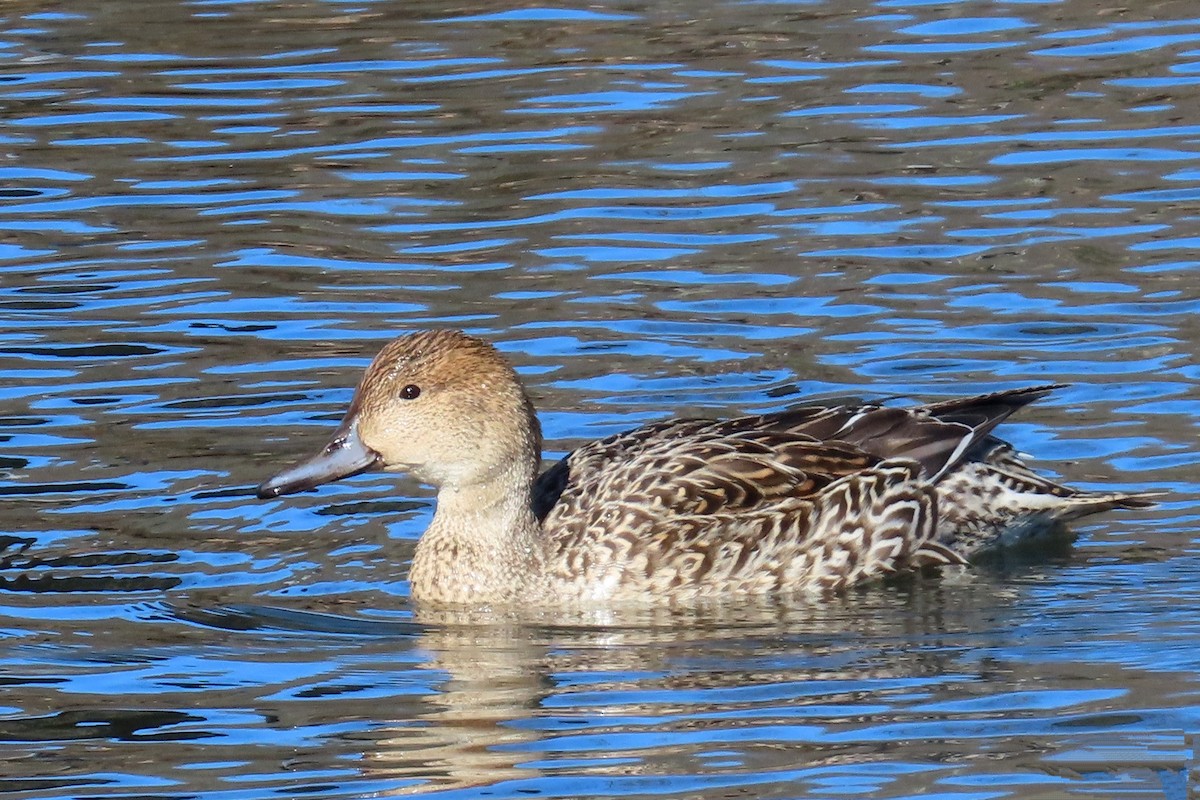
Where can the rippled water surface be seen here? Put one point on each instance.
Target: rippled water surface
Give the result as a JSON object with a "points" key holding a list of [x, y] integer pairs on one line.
{"points": [[213, 213]]}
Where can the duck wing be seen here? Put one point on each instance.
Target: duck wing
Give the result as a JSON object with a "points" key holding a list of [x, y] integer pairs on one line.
{"points": [[690, 467], [939, 436]]}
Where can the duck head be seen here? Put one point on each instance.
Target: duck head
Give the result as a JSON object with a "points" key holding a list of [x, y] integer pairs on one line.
{"points": [[441, 405]]}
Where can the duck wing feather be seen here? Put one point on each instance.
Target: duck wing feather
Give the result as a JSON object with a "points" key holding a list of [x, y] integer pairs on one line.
{"points": [[692, 466]]}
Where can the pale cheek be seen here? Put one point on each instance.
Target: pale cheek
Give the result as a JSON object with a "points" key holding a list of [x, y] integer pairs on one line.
{"points": [[397, 442]]}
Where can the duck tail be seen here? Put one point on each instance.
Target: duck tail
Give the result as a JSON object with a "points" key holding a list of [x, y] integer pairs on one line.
{"points": [[1083, 503], [984, 505]]}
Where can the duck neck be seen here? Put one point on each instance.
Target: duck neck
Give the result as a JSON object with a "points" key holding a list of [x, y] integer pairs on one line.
{"points": [[483, 544]]}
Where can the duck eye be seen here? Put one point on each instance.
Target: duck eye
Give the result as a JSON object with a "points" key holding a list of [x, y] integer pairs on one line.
{"points": [[411, 392]]}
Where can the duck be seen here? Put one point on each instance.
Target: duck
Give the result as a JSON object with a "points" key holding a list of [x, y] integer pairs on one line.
{"points": [[810, 499]]}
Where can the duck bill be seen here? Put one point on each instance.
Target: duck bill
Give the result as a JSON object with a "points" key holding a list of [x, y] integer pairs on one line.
{"points": [[345, 455]]}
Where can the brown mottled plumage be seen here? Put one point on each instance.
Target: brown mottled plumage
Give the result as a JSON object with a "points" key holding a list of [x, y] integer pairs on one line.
{"points": [[811, 498]]}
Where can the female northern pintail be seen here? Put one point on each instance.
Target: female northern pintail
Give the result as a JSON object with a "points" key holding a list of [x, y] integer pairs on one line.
{"points": [[811, 498]]}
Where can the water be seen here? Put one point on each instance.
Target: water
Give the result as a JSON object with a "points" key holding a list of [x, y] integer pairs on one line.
{"points": [[213, 213]]}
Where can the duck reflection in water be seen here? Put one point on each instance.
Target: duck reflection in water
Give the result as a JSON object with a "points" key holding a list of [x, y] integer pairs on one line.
{"points": [[638, 698]]}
